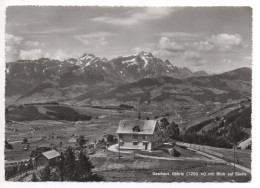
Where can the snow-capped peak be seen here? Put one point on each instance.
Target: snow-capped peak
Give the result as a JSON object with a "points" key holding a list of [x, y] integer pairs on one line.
{"points": [[87, 57], [143, 53]]}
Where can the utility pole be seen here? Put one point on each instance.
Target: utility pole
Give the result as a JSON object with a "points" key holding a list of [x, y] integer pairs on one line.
{"points": [[119, 149], [234, 162]]}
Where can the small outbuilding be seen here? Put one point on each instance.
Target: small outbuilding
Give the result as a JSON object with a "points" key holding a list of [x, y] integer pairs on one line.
{"points": [[47, 158]]}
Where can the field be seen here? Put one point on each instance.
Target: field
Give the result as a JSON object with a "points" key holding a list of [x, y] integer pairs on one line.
{"points": [[148, 175], [137, 169]]}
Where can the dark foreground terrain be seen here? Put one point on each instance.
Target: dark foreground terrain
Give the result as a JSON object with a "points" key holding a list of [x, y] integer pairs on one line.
{"points": [[49, 125]]}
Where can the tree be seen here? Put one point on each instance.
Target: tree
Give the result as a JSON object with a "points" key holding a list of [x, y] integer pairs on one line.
{"points": [[164, 123], [34, 178], [172, 130], [71, 169], [46, 174], [61, 167], [84, 168], [70, 165], [110, 138], [235, 133], [81, 141]]}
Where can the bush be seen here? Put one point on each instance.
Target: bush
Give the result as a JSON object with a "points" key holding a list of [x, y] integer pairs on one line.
{"points": [[176, 153], [8, 146], [25, 141]]}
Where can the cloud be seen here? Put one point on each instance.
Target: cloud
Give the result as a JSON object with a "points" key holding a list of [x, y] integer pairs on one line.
{"points": [[194, 58], [60, 54], [166, 48], [219, 43], [34, 43], [96, 39], [184, 36], [12, 39], [227, 61], [165, 54], [18, 48], [132, 18], [248, 59], [166, 44], [11, 54], [192, 55], [13, 43], [141, 49], [181, 53], [31, 54], [225, 42], [202, 46], [63, 55], [198, 63], [39, 31]]}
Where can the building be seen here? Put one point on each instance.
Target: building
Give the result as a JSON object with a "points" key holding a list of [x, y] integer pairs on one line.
{"points": [[139, 134], [245, 144], [47, 158]]}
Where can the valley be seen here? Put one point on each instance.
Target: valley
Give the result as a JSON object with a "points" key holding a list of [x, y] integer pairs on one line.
{"points": [[52, 104]]}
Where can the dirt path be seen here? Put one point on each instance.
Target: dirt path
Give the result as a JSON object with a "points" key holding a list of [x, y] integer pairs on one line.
{"points": [[240, 167], [114, 148], [31, 140], [221, 160], [213, 159], [26, 176]]}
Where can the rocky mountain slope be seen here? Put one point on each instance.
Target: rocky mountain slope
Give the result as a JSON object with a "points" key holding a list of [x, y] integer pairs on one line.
{"points": [[139, 78], [25, 78], [231, 85]]}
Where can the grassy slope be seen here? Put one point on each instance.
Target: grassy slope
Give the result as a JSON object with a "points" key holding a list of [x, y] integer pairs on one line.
{"points": [[128, 169]]}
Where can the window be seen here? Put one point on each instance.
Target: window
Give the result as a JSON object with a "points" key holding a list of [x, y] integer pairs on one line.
{"points": [[135, 136], [136, 129], [145, 137], [120, 136], [135, 143]]}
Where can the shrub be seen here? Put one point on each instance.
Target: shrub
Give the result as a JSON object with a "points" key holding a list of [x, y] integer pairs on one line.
{"points": [[25, 141]]}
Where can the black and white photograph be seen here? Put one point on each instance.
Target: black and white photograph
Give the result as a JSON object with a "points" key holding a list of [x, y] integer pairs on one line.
{"points": [[128, 94]]}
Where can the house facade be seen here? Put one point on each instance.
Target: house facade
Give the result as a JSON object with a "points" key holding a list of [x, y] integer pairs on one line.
{"points": [[139, 134]]}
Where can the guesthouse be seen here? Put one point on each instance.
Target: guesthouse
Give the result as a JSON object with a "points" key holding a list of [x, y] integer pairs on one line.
{"points": [[139, 134]]}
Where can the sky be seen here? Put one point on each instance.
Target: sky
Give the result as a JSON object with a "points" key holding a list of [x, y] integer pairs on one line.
{"points": [[214, 39]]}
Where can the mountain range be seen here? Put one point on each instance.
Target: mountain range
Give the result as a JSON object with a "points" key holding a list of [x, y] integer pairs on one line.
{"points": [[142, 77]]}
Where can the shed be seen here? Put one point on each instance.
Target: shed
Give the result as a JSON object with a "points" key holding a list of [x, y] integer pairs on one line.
{"points": [[47, 158]]}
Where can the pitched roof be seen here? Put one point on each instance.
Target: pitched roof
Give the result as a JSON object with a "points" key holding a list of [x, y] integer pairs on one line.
{"points": [[51, 154], [140, 126]]}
